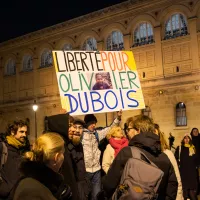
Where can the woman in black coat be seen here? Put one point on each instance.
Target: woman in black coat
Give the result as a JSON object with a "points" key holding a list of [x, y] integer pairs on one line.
{"points": [[185, 155]]}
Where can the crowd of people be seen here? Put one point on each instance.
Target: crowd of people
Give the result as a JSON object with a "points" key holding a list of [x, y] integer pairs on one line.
{"points": [[75, 160]]}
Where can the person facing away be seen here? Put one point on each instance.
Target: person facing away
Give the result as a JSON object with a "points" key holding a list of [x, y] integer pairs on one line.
{"points": [[165, 149], [100, 84], [117, 141], [185, 155], [40, 177], [142, 136], [90, 141], [16, 142], [76, 153]]}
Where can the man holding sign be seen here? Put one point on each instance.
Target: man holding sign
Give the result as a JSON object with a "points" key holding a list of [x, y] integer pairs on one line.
{"points": [[90, 141]]}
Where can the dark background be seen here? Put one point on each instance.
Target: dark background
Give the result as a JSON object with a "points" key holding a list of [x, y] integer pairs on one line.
{"points": [[19, 17]]}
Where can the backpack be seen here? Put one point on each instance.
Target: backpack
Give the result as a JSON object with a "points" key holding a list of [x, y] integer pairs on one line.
{"points": [[4, 157], [140, 179]]}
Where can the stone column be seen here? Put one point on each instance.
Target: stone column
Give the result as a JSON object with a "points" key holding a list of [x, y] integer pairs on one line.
{"points": [[192, 25], [158, 52], [18, 70], [127, 43], [100, 46]]}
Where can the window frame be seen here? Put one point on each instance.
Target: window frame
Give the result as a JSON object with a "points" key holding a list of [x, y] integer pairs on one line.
{"points": [[8, 67], [181, 115], [85, 43], [43, 61], [25, 62]]}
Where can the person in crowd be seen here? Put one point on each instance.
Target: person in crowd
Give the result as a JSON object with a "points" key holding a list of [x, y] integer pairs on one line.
{"points": [[117, 141], [76, 153], [16, 143], [40, 177], [185, 155], [60, 124], [90, 140], [149, 143], [165, 149], [100, 83]]}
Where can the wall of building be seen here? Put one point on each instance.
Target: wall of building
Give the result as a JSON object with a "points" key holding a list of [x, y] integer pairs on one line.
{"points": [[163, 86]]}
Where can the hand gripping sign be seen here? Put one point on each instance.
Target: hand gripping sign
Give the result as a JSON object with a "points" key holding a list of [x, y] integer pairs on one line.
{"points": [[97, 81]]}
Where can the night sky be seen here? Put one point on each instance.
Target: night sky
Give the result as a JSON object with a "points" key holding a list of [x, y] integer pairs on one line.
{"points": [[19, 17]]}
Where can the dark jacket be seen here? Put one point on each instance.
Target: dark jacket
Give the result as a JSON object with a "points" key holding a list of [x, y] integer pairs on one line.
{"points": [[196, 143], [40, 182], [10, 172], [73, 168], [77, 157], [149, 143]]}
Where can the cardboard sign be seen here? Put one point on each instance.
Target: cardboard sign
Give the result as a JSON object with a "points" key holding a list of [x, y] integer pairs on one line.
{"points": [[95, 82]]}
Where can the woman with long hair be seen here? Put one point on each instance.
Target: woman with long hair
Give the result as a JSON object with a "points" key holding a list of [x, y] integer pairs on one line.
{"points": [[40, 171], [185, 155], [170, 155]]}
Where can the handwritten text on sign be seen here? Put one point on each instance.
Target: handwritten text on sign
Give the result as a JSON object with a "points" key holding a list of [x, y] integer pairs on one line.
{"points": [[91, 82]]}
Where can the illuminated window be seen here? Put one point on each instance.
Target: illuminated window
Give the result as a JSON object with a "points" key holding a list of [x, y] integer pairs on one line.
{"points": [[27, 63], [90, 45], [10, 67], [181, 118], [143, 34], [147, 111], [176, 26], [115, 41], [46, 59]]}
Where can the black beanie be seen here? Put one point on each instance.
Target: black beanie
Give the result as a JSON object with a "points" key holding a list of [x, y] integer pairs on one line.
{"points": [[90, 119]]}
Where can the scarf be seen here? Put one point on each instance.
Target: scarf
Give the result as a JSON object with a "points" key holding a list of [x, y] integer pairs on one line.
{"points": [[191, 149], [14, 142], [117, 145]]}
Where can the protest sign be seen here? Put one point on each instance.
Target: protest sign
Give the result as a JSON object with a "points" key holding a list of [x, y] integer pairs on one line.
{"points": [[97, 81]]}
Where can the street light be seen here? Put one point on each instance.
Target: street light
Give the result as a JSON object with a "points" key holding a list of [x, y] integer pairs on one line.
{"points": [[35, 107]]}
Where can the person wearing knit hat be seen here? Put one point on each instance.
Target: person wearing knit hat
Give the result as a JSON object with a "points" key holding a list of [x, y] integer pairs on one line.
{"points": [[185, 155], [90, 140]]}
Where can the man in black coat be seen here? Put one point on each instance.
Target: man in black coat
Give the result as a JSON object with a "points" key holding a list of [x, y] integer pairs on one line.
{"points": [[17, 143], [149, 143], [73, 168]]}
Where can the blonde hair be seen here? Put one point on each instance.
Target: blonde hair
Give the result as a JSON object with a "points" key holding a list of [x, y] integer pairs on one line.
{"points": [[45, 147], [113, 132], [163, 141]]}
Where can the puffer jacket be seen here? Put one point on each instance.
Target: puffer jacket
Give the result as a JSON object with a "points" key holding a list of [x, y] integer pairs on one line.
{"points": [[149, 144], [90, 147]]}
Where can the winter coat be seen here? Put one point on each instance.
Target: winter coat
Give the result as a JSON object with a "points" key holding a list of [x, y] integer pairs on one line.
{"points": [[90, 147], [196, 143], [10, 172], [149, 143], [59, 124], [187, 167], [176, 169], [40, 182], [77, 157], [108, 157]]}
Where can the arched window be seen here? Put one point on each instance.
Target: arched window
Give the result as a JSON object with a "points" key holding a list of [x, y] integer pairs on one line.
{"points": [[176, 26], [46, 59], [181, 118], [143, 34], [147, 111], [90, 44], [115, 41], [10, 67], [67, 47], [27, 63]]}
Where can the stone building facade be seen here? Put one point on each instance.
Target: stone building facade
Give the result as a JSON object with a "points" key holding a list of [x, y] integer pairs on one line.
{"points": [[164, 36]]}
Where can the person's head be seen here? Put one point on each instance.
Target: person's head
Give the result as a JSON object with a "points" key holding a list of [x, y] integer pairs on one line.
{"points": [[143, 124], [115, 132], [18, 129], [186, 140], [194, 132], [49, 150], [70, 132], [130, 131], [77, 131], [99, 78], [163, 141], [90, 122]]}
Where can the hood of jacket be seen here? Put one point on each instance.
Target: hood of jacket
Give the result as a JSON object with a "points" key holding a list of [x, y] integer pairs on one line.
{"points": [[59, 124], [147, 141], [52, 180]]}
